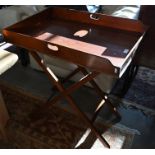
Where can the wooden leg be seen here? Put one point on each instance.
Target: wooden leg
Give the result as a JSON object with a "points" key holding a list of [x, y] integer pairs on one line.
{"points": [[69, 76], [70, 100], [70, 89], [98, 91], [102, 95]]}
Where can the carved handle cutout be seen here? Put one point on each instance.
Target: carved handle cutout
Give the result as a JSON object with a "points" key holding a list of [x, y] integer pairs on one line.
{"points": [[53, 47], [81, 33]]}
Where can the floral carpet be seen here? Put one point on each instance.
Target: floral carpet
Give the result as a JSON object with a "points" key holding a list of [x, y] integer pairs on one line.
{"points": [[57, 129], [141, 94]]}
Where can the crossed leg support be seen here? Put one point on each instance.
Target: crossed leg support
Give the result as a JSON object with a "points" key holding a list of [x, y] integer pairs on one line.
{"points": [[65, 93]]}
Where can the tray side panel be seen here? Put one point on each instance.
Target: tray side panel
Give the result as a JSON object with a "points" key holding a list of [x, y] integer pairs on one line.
{"points": [[77, 57], [98, 19]]}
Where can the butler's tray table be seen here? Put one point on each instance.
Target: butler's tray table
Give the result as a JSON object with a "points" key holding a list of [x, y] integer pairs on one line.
{"points": [[94, 42]]}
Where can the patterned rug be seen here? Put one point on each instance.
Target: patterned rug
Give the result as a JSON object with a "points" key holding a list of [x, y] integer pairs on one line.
{"points": [[56, 129], [141, 94]]}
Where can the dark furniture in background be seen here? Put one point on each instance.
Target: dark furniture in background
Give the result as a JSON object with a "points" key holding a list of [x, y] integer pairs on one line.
{"points": [[146, 54]]}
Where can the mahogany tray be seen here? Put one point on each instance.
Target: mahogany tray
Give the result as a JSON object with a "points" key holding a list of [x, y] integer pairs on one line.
{"points": [[96, 41]]}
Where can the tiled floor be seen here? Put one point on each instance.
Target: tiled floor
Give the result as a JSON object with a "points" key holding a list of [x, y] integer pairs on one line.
{"points": [[37, 83]]}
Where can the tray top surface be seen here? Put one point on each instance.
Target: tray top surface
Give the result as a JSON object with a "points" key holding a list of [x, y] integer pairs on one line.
{"points": [[83, 37], [100, 41]]}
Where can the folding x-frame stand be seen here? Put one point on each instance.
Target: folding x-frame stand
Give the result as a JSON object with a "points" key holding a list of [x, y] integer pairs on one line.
{"points": [[65, 93]]}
